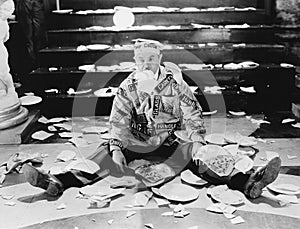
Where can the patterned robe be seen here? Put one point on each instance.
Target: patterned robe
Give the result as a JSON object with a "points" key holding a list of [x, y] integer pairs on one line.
{"points": [[147, 109]]}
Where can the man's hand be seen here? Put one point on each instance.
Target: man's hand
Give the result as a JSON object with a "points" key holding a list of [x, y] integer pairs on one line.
{"points": [[202, 167], [119, 159]]}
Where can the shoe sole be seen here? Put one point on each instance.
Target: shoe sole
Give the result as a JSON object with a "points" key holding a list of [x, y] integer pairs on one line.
{"points": [[270, 174], [34, 177], [37, 179]]}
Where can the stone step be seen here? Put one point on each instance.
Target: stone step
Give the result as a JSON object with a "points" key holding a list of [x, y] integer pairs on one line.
{"points": [[75, 20], [108, 4], [181, 53], [230, 99], [178, 34], [265, 76]]}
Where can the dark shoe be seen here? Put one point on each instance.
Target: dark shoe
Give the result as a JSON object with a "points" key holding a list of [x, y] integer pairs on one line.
{"points": [[262, 177], [41, 179]]}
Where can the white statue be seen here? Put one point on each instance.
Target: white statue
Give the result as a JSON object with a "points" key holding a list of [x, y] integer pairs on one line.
{"points": [[6, 82]]}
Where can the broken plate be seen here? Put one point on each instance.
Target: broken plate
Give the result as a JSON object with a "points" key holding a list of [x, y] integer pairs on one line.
{"points": [[63, 126], [66, 11], [285, 65], [41, 135], [178, 192], [70, 135], [71, 91], [225, 195], [97, 47], [244, 164], [248, 89], [216, 158], [66, 155], [233, 149], [30, 100], [56, 120], [216, 139], [95, 129], [182, 135], [191, 178], [286, 184], [238, 113], [206, 113], [100, 191], [249, 64], [232, 137], [247, 141], [104, 92], [83, 165]]}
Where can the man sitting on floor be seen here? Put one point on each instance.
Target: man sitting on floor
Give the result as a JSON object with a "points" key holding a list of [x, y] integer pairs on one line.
{"points": [[151, 104]]}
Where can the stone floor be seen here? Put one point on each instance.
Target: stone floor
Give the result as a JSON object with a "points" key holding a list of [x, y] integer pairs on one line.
{"points": [[32, 206]]}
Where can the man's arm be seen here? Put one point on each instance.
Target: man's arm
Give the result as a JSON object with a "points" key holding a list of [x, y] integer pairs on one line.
{"points": [[190, 107], [192, 113], [120, 119]]}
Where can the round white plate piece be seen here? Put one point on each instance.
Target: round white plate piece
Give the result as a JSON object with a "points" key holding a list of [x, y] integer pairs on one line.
{"points": [[30, 100], [216, 139], [285, 65], [83, 165], [104, 92], [244, 164], [71, 91], [178, 192], [63, 126], [191, 178], [237, 113], [95, 129], [233, 149], [65, 11], [225, 195], [206, 113], [66, 155], [249, 64], [97, 47], [248, 89], [88, 68], [155, 191], [247, 141], [41, 135], [182, 135], [286, 184], [232, 137]]}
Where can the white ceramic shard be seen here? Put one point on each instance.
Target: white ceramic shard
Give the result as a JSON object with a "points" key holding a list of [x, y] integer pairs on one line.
{"points": [[83, 165], [30, 100], [66, 155], [244, 164], [95, 129], [41, 135]]}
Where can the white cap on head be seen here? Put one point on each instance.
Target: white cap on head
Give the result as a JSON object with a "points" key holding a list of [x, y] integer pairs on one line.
{"points": [[142, 46]]}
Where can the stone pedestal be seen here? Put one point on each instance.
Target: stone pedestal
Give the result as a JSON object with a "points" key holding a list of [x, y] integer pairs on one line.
{"points": [[12, 116], [11, 112]]}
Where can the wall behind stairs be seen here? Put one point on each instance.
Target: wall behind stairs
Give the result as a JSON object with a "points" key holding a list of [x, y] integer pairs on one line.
{"points": [[288, 14]]}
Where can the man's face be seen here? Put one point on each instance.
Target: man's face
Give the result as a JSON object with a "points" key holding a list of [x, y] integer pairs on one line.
{"points": [[148, 61]]}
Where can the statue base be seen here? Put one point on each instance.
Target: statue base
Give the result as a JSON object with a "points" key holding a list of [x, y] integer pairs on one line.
{"points": [[13, 116]]}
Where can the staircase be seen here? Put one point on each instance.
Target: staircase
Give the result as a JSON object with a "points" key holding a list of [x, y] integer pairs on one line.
{"points": [[206, 35]]}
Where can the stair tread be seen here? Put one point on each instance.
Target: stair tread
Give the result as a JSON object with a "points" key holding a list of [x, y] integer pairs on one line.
{"points": [[163, 28], [138, 3], [209, 10], [75, 70], [168, 47]]}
